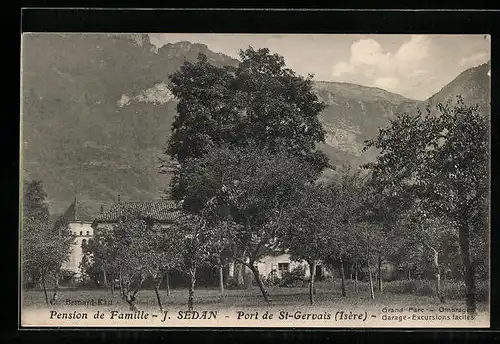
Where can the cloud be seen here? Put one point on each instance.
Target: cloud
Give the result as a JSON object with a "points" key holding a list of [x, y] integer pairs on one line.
{"points": [[371, 64], [474, 60], [388, 83], [343, 68], [413, 51], [369, 57], [417, 73], [368, 52]]}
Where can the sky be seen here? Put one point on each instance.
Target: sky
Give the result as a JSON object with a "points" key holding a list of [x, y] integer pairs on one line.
{"points": [[415, 66]]}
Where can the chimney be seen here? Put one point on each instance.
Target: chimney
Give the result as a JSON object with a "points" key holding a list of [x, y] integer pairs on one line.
{"points": [[76, 209], [118, 198], [102, 208]]}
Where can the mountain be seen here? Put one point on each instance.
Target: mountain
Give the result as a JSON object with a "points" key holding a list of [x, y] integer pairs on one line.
{"points": [[353, 115], [96, 114], [474, 85]]}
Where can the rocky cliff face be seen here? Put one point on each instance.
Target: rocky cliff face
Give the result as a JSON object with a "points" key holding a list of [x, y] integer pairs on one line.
{"points": [[97, 113]]}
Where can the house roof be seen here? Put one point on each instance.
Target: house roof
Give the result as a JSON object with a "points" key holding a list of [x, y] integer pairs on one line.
{"points": [[157, 210], [78, 211]]}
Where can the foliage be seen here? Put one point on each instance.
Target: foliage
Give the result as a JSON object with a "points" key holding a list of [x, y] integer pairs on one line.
{"points": [[131, 250], [451, 289], [312, 226], [67, 276], [439, 160], [258, 102], [44, 249], [35, 210], [294, 278], [100, 255]]}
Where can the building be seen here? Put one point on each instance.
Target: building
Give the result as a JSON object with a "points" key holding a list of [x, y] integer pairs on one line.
{"points": [[164, 212], [79, 218], [281, 263]]}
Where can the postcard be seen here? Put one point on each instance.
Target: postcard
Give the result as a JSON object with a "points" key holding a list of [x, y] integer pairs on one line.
{"points": [[255, 180]]}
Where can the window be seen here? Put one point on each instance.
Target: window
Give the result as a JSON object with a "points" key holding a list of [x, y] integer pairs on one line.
{"points": [[319, 272], [84, 242], [81, 232], [282, 268], [88, 233]]}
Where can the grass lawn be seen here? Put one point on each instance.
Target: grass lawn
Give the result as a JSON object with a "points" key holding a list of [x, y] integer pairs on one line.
{"points": [[327, 296]]}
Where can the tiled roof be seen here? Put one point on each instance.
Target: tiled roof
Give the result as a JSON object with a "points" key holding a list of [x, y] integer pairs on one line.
{"points": [[157, 210]]}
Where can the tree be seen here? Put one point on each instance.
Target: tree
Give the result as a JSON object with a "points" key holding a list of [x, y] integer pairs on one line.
{"points": [[63, 239], [35, 219], [253, 186], [100, 257], [129, 253], [311, 228], [194, 238], [131, 250], [44, 250], [35, 208], [441, 159], [220, 247], [428, 235], [160, 252], [259, 102], [347, 208]]}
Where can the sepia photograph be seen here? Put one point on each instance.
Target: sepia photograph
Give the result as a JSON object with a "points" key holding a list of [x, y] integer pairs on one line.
{"points": [[255, 180]]}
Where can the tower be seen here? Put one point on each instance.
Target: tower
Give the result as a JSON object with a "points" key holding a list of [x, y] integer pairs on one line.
{"points": [[79, 220]]}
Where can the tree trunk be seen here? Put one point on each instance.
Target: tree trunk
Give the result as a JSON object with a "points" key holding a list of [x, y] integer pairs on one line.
{"points": [[372, 295], [239, 271], [356, 276], [167, 281], [312, 269], [342, 276], [256, 275], [120, 281], [192, 275], [409, 274], [221, 279], [104, 278], [158, 298], [130, 299], [56, 287], [437, 273], [469, 273], [225, 275], [379, 276], [315, 278], [351, 271], [438, 285], [44, 285]]}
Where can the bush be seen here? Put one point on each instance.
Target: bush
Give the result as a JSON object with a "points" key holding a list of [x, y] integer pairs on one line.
{"points": [[420, 287], [67, 277], [272, 279], [452, 290], [87, 283], [294, 278]]}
